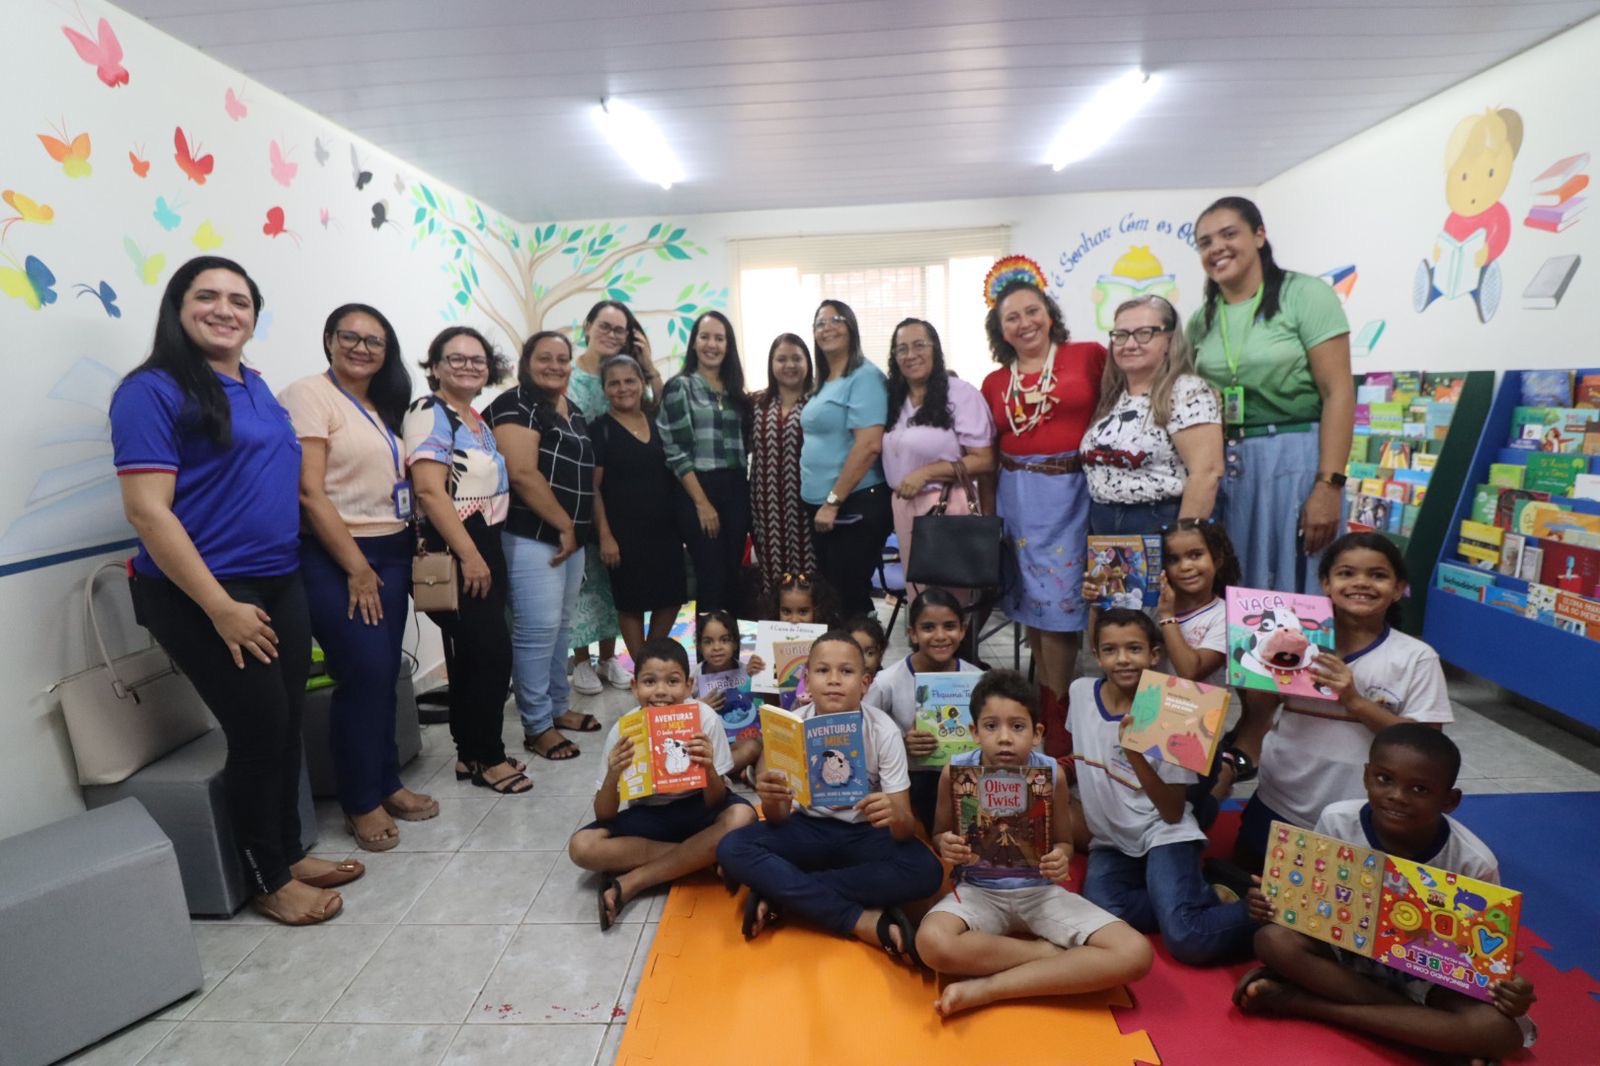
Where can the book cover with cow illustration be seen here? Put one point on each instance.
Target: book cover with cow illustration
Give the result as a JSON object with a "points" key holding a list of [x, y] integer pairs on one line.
{"points": [[1273, 637], [661, 761]]}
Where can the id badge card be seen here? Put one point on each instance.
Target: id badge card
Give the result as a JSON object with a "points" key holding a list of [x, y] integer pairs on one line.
{"points": [[1233, 405], [402, 500]]}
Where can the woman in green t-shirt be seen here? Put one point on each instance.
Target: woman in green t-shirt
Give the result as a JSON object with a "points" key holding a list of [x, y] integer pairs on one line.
{"points": [[1276, 344]]}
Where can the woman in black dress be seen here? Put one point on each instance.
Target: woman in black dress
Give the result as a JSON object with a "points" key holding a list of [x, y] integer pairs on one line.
{"points": [[636, 507]]}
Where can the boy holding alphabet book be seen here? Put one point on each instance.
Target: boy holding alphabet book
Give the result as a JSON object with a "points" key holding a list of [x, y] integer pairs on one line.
{"points": [[656, 837], [1080, 948]]}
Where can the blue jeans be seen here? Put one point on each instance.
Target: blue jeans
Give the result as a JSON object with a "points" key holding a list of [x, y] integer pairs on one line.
{"points": [[1112, 519], [364, 660], [1260, 500], [828, 871], [542, 601], [1164, 892]]}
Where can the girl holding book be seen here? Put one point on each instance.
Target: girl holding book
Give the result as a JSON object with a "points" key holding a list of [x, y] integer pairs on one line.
{"points": [[717, 648], [936, 630], [1313, 753]]}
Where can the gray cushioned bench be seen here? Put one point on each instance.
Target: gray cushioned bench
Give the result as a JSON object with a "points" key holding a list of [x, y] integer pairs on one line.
{"points": [[314, 728], [94, 930]]}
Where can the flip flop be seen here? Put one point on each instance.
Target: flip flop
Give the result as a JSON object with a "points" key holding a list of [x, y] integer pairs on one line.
{"points": [[342, 874], [895, 918], [333, 903], [752, 914], [606, 921], [1251, 976], [562, 745], [587, 724]]}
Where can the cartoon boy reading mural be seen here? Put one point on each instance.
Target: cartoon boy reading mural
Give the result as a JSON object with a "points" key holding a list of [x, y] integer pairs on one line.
{"points": [[1477, 167]]}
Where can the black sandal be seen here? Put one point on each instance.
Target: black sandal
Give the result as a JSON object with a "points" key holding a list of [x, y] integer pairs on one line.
{"points": [[752, 914], [506, 786], [606, 920], [466, 775], [895, 918], [587, 724], [532, 744]]}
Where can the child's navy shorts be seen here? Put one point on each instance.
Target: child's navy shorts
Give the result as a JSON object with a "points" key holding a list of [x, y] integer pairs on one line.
{"points": [[671, 823]]}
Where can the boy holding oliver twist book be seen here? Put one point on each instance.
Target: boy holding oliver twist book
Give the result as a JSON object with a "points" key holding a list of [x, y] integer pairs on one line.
{"points": [[1144, 854], [656, 838], [1080, 948], [843, 869], [1410, 778]]}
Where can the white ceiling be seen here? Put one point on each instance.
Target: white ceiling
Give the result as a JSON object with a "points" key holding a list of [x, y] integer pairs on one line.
{"points": [[808, 104]]}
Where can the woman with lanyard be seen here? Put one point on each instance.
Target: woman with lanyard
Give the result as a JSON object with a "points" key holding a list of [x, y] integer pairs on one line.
{"points": [[1277, 345], [608, 329], [215, 579], [356, 562], [705, 425], [1041, 399]]}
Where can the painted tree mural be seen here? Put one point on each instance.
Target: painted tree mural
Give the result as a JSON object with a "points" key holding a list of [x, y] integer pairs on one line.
{"points": [[546, 277]]}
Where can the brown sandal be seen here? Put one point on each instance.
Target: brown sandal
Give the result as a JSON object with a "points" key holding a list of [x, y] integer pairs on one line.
{"points": [[383, 842], [332, 904], [341, 874], [419, 814]]}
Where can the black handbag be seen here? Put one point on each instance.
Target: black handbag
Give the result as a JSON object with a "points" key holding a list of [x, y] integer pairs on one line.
{"points": [[957, 551]]}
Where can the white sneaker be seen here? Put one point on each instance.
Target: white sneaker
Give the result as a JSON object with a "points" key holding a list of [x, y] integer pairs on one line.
{"points": [[612, 673], [585, 680]]}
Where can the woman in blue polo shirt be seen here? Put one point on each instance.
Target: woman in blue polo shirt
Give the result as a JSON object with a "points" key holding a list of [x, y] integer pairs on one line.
{"points": [[210, 473]]}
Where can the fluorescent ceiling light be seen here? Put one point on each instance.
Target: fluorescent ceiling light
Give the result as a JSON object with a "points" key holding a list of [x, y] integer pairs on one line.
{"points": [[1108, 110], [639, 142]]}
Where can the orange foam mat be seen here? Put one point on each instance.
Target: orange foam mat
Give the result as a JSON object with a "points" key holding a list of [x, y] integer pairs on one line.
{"points": [[797, 995]]}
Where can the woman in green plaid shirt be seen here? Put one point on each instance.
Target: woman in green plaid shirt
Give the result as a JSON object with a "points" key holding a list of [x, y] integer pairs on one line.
{"points": [[705, 425]]}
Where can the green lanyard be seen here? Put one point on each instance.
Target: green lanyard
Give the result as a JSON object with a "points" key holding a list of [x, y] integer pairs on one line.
{"points": [[1228, 351]]}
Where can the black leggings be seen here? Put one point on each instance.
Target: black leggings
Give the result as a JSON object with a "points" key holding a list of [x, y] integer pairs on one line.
{"points": [[477, 652], [717, 559], [258, 707], [849, 555]]}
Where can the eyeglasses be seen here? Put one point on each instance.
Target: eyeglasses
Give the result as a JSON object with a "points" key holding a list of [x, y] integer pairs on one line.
{"points": [[350, 339], [457, 361], [1144, 335], [610, 330], [920, 347], [831, 320]]}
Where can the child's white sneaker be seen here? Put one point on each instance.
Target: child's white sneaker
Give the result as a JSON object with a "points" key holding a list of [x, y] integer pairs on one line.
{"points": [[612, 673], [585, 680]]}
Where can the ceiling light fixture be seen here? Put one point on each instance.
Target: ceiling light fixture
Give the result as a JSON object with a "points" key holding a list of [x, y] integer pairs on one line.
{"points": [[639, 142], [1111, 107]]}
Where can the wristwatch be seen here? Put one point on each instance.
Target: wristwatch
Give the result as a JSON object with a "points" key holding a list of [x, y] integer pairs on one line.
{"points": [[1333, 478], [1244, 768], [832, 500]]}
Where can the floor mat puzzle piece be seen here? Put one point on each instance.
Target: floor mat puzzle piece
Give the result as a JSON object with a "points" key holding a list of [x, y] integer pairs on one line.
{"points": [[797, 995]]}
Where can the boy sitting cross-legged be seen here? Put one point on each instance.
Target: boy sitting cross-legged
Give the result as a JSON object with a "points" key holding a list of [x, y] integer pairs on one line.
{"points": [[1410, 778], [1080, 948], [662, 837], [1144, 855]]}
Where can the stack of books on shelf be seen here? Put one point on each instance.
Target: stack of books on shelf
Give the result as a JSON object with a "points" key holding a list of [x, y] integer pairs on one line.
{"points": [[1531, 544], [1401, 422]]}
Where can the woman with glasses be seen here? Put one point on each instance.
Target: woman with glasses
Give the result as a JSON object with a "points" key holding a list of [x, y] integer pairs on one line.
{"points": [[779, 521], [637, 508], [940, 432], [464, 495], [1153, 452], [1041, 399], [608, 329], [841, 481], [1277, 345], [705, 424], [356, 500]]}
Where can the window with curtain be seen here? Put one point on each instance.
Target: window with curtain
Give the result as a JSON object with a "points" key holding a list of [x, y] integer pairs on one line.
{"points": [[935, 275]]}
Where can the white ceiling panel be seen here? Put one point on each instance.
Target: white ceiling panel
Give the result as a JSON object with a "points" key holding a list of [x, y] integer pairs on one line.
{"points": [[823, 104]]}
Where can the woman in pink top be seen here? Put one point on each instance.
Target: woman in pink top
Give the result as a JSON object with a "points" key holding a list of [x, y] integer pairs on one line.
{"points": [[935, 420]]}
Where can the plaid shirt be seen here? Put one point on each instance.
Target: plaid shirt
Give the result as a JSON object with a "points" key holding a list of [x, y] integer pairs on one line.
{"points": [[700, 427], [566, 461]]}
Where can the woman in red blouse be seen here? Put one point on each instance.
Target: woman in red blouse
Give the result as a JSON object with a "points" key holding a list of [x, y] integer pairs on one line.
{"points": [[1041, 399]]}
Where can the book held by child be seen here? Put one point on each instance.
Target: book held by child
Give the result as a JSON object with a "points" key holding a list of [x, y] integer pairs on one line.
{"points": [[944, 709], [1003, 812], [661, 760], [738, 711], [1176, 720], [1126, 568], [768, 634], [1273, 637], [823, 756]]}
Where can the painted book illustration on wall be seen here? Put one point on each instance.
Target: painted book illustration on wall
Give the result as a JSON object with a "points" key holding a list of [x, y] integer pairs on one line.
{"points": [[944, 709], [1273, 637], [1176, 720], [1424, 921], [1003, 812]]}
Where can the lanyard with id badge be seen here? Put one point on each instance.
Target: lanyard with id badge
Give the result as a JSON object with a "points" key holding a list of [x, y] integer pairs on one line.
{"points": [[1233, 394], [403, 503]]}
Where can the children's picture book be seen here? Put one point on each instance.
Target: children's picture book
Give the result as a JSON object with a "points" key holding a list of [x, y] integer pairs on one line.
{"points": [[1479, 543], [1461, 580], [1506, 508], [1273, 637], [1553, 473], [1547, 388], [1003, 812], [824, 756], [1511, 554], [1507, 475], [944, 708], [1541, 602], [1176, 720], [1127, 570], [789, 669], [1570, 567], [767, 634], [1423, 921], [739, 717], [1577, 614], [1505, 599], [661, 761]]}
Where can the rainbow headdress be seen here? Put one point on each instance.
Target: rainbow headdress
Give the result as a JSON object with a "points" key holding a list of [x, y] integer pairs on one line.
{"points": [[1012, 268]]}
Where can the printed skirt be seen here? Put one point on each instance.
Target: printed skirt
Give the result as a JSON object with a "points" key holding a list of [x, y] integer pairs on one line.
{"points": [[1046, 520]]}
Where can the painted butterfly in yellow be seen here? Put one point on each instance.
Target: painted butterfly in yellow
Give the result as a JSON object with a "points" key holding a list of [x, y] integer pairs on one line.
{"points": [[31, 282], [206, 238], [72, 153], [148, 268], [27, 210]]}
